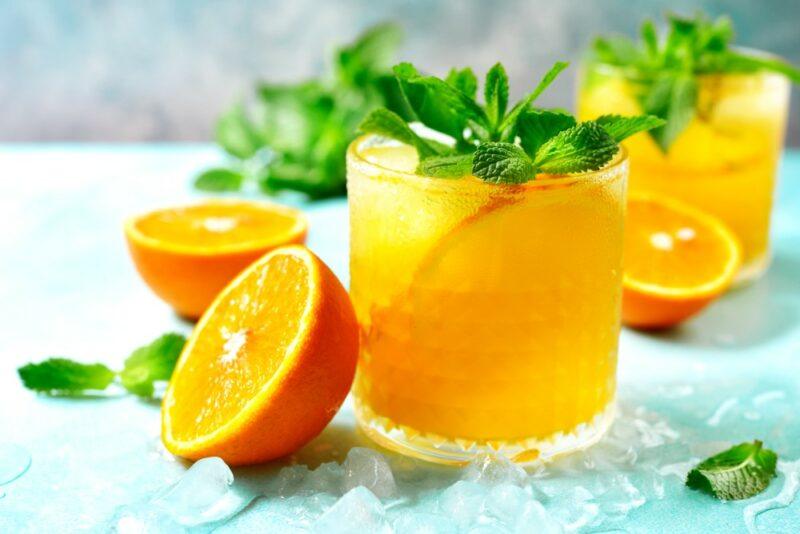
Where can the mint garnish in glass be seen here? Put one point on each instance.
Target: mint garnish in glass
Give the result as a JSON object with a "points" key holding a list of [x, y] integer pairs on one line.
{"points": [[492, 141], [666, 68]]}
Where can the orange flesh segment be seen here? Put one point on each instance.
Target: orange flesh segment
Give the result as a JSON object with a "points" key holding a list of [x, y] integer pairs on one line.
{"points": [[676, 248], [244, 343], [218, 224]]}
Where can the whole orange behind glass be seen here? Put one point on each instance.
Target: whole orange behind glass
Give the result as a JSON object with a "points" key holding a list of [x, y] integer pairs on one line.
{"points": [[724, 162], [489, 314]]}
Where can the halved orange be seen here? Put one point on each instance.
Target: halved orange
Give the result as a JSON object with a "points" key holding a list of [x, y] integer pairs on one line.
{"points": [[188, 254], [677, 260], [267, 366]]}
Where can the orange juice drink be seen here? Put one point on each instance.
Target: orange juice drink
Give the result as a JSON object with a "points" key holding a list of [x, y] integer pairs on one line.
{"points": [[725, 160], [489, 314]]}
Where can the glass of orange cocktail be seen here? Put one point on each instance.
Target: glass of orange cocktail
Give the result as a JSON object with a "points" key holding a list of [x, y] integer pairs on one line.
{"points": [[489, 313], [725, 160]]}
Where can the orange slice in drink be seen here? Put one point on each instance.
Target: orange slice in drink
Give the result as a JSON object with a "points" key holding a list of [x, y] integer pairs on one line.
{"points": [[267, 366], [188, 254], [677, 260]]}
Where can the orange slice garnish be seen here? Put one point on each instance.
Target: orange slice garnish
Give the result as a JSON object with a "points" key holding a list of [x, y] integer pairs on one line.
{"points": [[267, 366], [188, 254], [677, 260]]}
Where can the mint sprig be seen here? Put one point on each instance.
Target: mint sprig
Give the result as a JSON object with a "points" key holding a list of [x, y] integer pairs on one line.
{"points": [[666, 69], [294, 136], [145, 367], [738, 473], [494, 143]]}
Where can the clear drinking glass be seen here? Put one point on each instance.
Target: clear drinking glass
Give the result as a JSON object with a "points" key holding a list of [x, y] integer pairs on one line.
{"points": [[724, 162], [489, 314]]}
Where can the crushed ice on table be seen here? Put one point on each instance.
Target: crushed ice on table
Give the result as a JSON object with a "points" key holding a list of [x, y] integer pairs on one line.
{"points": [[368, 468], [642, 458], [202, 496]]}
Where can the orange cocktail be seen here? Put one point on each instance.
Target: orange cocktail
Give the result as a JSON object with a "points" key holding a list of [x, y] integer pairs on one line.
{"points": [[489, 314], [724, 162]]}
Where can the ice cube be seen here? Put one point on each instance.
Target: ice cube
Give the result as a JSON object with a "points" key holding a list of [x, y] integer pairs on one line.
{"points": [[423, 523], [535, 518], [325, 478], [358, 511], [202, 494], [290, 479], [619, 497], [491, 470], [368, 468], [574, 509], [463, 502], [506, 502]]}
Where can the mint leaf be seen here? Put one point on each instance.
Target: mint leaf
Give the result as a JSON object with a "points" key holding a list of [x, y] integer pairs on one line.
{"points": [[673, 98], [464, 80], [437, 104], [584, 147], [388, 124], [60, 375], [452, 166], [495, 92], [506, 128], [219, 180], [619, 127], [151, 363], [738, 473], [237, 134], [369, 56], [534, 127], [502, 163], [737, 62]]}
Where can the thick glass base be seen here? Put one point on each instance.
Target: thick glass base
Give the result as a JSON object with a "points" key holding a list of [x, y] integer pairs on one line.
{"points": [[752, 270], [438, 449]]}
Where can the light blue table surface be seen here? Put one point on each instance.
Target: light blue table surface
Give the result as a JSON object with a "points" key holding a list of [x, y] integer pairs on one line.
{"points": [[67, 287]]}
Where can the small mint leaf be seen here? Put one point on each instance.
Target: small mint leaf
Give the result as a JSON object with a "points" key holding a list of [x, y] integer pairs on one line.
{"points": [[151, 363], [619, 127], [60, 375], [437, 104], [650, 38], [534, 127], [388, 124], [237, 134], [219, 180], [673, 98], [508, 126], [495, 93], [738, 473], [453, 166], [582, 148], [464, 80], [502, 163]]}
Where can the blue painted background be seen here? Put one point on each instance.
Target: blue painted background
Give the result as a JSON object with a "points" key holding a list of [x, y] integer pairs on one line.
{"points": [[134, 70]]}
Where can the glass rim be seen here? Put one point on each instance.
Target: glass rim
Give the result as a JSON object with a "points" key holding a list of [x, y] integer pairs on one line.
{"points": [[604, 67], [617, 166]]}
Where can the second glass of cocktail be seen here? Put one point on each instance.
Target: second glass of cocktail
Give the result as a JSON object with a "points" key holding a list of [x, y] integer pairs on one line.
{"points": [[489, 310]]}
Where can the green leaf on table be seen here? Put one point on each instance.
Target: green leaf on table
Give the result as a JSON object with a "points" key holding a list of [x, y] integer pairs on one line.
{"points": [[219, 180], [534, 127], [151, 363], [738, 473], [620, 128], [237, 134], [60, 375], [581, 148], [502, 163]]}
